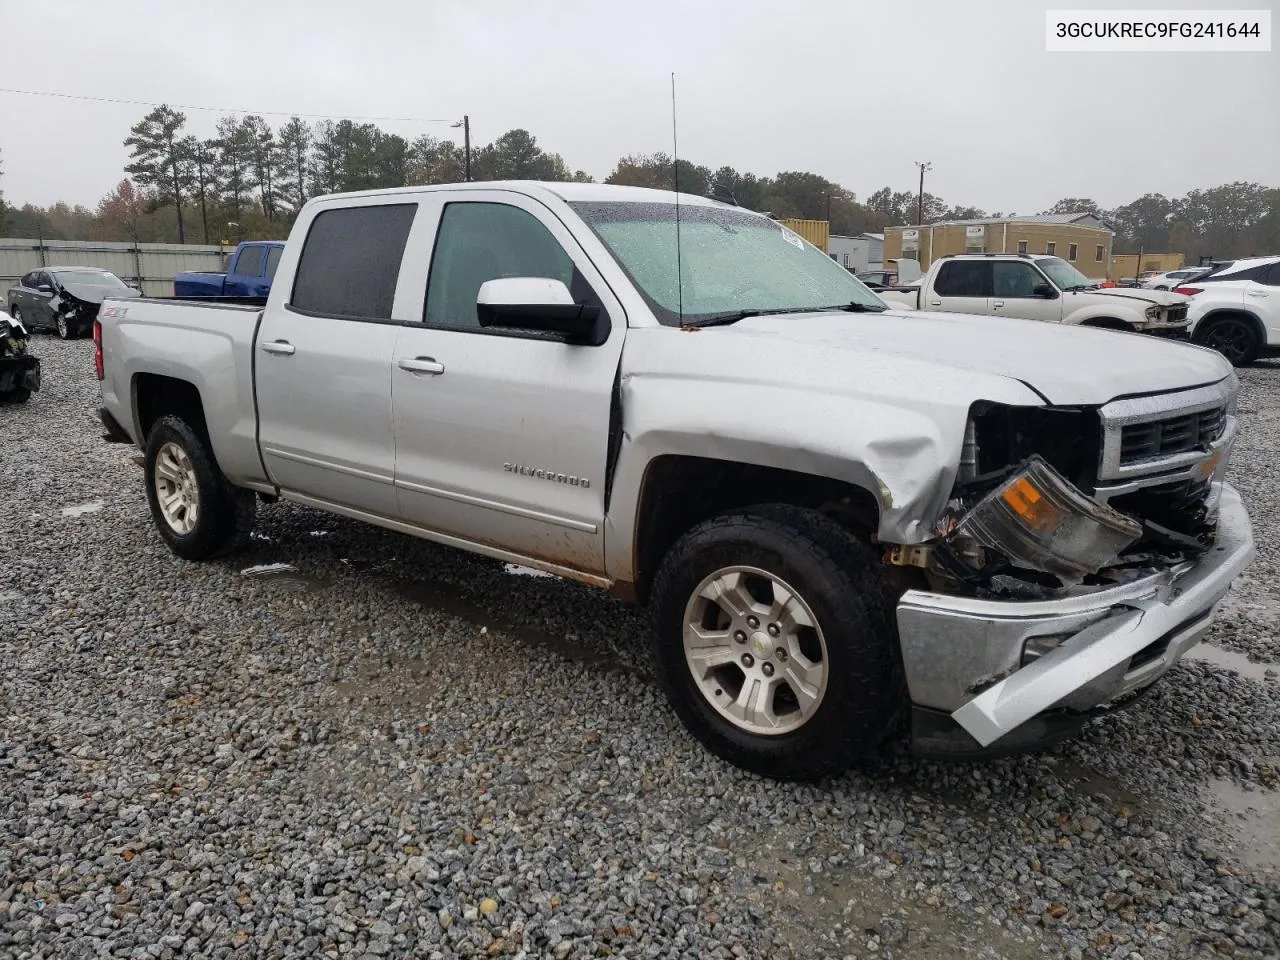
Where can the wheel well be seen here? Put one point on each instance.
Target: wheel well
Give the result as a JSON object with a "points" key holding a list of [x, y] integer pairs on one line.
{"points": [[1210, 318], [680, 492], [156, 396], [1107, 323]]}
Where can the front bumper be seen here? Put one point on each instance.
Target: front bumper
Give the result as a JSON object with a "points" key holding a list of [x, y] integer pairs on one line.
{"points": [[18, 373], [965, 657]]}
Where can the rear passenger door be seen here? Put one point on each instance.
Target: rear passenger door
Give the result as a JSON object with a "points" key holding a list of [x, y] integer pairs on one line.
{"points": [[245, 272], [962, 286], [503, 437], [1262, 295], [322, 360]]}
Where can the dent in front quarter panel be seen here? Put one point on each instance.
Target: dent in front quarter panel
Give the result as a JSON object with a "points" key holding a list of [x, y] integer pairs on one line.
{"points": [[216, 358]]}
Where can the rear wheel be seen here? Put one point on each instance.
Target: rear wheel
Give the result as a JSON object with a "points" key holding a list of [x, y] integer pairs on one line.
{"points": [[198, 512], [1236, 338], [775, 641], [16, 395]]}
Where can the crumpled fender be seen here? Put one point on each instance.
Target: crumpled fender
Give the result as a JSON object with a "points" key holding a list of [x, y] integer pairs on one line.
{"points": [[898, 435]]}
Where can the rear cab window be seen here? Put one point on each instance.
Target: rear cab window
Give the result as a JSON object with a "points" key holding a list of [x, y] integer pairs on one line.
{"points": [[350, 261]]}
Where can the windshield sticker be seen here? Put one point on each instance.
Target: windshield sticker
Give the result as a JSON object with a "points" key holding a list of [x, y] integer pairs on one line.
{"points": [[791, 238]]}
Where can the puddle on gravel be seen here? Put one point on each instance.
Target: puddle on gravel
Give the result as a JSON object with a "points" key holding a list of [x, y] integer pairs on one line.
{"points": [[1252, 823], [446, 600], [284, 575], [80, 509], [1233, 661]]}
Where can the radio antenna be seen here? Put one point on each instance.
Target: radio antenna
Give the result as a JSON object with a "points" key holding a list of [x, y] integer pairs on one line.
{"points": [[675, 176]]}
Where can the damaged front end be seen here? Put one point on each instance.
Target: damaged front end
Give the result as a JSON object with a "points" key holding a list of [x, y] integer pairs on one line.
{"points": [[1082, 552], [73, 316], [19, 370]]}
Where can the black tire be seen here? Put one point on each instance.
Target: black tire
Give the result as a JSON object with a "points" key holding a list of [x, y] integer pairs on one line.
{"points": [[1234, 336], [16, 395], [841, 580], [225, 516]]}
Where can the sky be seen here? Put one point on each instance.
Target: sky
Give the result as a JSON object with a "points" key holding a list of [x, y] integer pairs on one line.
{"points": [[855, 91]]}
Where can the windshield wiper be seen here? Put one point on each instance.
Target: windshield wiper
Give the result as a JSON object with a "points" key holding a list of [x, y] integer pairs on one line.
{"points": [[856, 307], [723, 319]]}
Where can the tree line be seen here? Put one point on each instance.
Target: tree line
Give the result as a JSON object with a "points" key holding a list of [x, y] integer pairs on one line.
{"points": [[250, 180]]}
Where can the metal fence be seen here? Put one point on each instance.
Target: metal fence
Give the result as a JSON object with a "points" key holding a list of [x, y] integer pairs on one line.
{"points": [[150, 265]]}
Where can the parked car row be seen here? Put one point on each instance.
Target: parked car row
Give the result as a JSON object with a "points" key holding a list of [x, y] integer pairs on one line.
{"points": [[842, 510]]}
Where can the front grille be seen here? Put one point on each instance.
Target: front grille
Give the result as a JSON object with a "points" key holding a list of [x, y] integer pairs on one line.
{"points": [[1179, 434], [1177, 313], [1179, 506]]}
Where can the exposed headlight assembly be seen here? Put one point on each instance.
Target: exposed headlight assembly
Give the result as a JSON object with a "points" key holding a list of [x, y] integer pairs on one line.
{"points": [[1153, 312], [1040, 521]]}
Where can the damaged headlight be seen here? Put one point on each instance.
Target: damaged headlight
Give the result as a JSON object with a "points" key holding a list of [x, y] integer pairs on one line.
{"points": [[1153, 312], [1040, 521]]}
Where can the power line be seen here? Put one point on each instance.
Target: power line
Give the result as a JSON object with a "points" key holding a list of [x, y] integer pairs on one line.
{"points": [[187, 106]]}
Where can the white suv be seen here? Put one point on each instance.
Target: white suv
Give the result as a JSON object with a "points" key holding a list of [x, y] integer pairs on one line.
{"points": [[1167, 281], [1236, 308]]}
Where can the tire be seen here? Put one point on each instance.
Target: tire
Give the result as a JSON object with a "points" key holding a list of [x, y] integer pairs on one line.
{"points": [[16, 395], [1161, 287], [65, 332], [1233, 336], [215, 518], [839, 581]]}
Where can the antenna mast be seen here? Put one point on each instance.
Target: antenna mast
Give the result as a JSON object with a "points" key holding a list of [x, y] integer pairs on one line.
{"points": [[675, 176]]}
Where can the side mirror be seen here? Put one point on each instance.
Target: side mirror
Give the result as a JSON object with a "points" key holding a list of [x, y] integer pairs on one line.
{"points": [[44, 288], [1044, 292], [539, 304]]}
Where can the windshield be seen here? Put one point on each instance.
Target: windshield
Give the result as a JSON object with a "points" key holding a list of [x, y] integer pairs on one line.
{"points": [[731, 261], [1062, 273], [91, 278]]}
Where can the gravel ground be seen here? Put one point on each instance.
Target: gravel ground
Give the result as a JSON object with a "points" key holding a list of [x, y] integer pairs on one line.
{"points": [[393, 749]]}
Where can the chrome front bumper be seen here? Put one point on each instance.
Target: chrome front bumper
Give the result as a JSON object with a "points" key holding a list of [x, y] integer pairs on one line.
{"points": [[965, 656]]}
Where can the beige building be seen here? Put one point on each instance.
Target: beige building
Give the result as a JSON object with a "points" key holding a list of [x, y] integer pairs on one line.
{"points": [[1081, 239], [1124, 266]]}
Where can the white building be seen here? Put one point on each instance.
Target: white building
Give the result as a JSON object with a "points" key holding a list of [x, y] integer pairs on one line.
{"points": [[859, 253]]}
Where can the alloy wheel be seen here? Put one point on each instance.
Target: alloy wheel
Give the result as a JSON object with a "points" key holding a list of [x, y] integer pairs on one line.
{"points": [[755, 650], [176, 489]]}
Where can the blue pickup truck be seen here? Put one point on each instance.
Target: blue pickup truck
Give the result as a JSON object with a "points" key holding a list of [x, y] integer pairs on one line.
{"points": [[249, 271]]}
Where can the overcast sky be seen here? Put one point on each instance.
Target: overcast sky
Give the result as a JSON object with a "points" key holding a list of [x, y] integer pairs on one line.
{"points": [[855, 91]]}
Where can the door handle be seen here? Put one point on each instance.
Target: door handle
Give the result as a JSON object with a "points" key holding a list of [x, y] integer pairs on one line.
{"points": [[283, 347], [1256, 293], [427, 365], [935, 303], [997, 304]]}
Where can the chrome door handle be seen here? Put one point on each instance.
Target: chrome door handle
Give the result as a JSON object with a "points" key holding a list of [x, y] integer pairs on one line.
{"points": [[283, 347], [935, 303], [997, 303], [1256, 293], [427, 365]]}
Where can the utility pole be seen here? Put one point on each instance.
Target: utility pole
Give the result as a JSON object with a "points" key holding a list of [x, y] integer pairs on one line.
{"points": [[466, 144], [920, 204]]}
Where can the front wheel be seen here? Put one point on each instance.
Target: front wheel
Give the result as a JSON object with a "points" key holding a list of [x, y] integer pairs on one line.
{"points": [[198, 512], [775, 642], [1234, 337], [64, 329]]}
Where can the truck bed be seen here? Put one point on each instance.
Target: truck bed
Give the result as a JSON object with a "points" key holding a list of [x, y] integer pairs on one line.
{"points": [[204, 342]]}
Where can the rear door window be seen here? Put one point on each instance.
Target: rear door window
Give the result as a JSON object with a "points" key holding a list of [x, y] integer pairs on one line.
{"points": [[964, 278], [350, 261], [273, 260], [249, 263]]}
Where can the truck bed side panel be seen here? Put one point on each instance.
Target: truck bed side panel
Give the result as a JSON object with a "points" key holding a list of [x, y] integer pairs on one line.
{"points": [[209, 346]]}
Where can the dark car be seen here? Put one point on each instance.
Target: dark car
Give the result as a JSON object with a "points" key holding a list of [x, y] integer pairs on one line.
{"points": [[65, 299]]}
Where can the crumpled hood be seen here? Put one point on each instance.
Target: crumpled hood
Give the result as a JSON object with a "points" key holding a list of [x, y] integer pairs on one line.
{"points": [[92, 293], [1067, 365]]}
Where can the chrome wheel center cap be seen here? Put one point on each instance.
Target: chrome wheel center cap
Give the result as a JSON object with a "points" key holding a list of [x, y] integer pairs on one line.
{"points": [[762, 644]]}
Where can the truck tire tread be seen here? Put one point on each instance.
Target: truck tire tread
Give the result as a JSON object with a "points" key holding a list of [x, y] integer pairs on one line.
{"points": [[226, 513], [842, 579]]}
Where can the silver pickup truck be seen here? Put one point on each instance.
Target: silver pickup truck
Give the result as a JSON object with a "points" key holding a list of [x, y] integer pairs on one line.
{"points": [[845, 518]]}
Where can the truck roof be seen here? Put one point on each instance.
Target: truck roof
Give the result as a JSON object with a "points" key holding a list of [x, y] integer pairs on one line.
{"points": [[569, 192], [988, 256]]}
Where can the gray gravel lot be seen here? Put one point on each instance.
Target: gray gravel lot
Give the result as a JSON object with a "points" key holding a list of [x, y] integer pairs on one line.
{"points": [[395, 749]]}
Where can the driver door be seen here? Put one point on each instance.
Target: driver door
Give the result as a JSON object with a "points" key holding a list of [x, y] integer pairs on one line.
{"points": [[1013, 292]]}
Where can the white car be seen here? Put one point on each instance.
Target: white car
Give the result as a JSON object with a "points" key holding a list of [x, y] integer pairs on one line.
{"points": [[1167, 281], [1236, 308]]}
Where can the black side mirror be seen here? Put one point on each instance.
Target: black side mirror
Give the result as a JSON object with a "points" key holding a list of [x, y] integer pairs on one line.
{"points": [[1044, 291], [539, 304], [45, 288]]}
